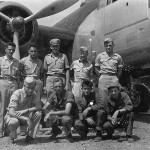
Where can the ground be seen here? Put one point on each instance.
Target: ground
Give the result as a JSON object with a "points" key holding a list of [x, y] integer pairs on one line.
{"points": [[141, 135]]}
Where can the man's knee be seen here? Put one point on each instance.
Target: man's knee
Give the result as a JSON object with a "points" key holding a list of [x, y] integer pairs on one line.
{"points": [[66, 120], [13, 123], [108, 127], [90, 122]]}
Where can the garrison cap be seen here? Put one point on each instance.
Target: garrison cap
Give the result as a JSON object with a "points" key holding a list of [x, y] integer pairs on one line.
{"points": [[29, 80], [108, 40], [117, 85], [54, 41], [83, 49]]}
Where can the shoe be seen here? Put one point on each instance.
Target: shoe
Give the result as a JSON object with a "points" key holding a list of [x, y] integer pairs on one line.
{"points": [[29, 139], [55, 134], [130, 139], [70, 138], [49, 132], [22, 133], [11, 140], [109, 136], [83, 137], [98, 136]]}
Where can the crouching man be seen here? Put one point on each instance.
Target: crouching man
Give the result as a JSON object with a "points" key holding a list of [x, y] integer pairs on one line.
{"points": [[63, 110], [24, 110], [117, 114], [88, 104]]}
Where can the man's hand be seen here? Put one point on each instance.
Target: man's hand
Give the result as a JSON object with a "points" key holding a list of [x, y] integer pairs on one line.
{"points": [[21, 112], [114, 117], [44, 90], [85, 112]]}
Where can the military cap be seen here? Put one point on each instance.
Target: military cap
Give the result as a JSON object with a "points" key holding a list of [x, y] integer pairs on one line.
{"points": [[112, 85], [108, 40], [29, 80], [54, 41], [83, 49]]}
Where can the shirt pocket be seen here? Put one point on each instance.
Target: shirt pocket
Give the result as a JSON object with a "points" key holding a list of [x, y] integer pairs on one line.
{"points": [[5, 69], [60, 64]]}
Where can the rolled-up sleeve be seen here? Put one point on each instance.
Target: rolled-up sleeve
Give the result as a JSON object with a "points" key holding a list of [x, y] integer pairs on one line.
{"points": [[128, 104], [14, 100], [97, 60], [66, 62], [120, 65]]}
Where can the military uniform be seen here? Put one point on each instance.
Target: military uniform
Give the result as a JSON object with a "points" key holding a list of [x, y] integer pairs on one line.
{"points": [[28, 67], [93, 101], [55, 67], [8, 84], [21, 101], [123, 102], [81, 71], [58, 104], [108, 71]]}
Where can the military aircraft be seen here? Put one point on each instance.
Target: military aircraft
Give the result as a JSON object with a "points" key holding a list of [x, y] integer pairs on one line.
{"points": [[126, 22]]}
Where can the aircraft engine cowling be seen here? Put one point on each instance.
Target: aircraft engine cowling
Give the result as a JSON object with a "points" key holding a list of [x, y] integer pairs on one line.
{"points": [[28, 32]]}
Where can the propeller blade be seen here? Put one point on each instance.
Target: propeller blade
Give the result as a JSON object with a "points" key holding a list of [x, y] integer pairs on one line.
{"points": [[6, 18], [51, 9], [16, 41]]}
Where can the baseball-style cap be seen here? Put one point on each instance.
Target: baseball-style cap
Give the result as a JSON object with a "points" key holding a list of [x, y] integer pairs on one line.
{"points": [[108, 40], [83, 49], [114, 85], [54, 41]]}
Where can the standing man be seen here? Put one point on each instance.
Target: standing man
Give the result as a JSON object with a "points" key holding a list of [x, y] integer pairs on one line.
{"points": [[32, 66], [81, 69], [108, 65], [118, 113], [9, 80], [56, 65], [63, 110], [23, 110]]}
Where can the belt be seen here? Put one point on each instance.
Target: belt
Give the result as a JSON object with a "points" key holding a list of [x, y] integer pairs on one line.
{"points": [[56, 75], [8, 78], [35, 77], [109, 74]]}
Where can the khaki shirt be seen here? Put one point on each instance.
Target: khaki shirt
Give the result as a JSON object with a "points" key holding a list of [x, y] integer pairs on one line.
{"points": [[108, 64], [9, 67], [30, 67], [21, 101], [81, 71], [59, 103], [56, 65]]}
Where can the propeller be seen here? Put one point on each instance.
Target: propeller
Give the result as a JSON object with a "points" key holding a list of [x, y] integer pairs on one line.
{"points": [[51, 9], [17, 23]]}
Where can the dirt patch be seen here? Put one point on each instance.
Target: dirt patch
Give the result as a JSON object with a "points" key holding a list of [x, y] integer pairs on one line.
{"points": [[141, 134]]}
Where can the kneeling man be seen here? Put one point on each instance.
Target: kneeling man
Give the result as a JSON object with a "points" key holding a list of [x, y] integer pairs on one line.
{"points": [[63, 110], [24, 110], [118, 113]]}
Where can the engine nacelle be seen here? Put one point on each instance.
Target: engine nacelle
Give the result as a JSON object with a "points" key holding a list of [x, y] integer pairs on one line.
{"points": [[27, 32]]}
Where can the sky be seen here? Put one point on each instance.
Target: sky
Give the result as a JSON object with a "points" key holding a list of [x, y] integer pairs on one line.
{"points": [[36, 5]]}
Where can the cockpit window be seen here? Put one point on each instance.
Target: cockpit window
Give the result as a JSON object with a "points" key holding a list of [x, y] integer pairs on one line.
{"points": [[110, 1]]}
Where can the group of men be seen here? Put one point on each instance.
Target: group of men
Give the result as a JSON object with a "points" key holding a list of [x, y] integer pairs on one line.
{"points": [[78, 106]]}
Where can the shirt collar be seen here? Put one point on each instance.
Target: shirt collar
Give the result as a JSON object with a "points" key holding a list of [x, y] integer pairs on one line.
{"points": [[6, 58], [29, 58]]}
